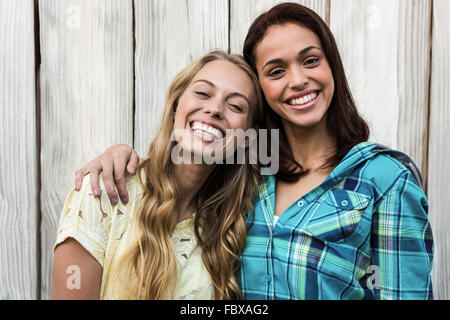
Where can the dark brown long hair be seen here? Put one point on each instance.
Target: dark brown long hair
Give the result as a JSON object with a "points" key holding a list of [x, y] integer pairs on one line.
{"points": [[343, 120]]}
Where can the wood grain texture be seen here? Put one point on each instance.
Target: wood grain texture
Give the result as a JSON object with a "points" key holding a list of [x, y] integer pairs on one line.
{"points": [[243, 13], [384, 47], [87, 97], [439, 149], [86, 83], [170, 35], [18, 153], [413, 65], [367, 35]]}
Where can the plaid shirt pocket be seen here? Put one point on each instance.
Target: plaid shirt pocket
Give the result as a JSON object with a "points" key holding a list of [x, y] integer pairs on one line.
{"points": [[338, 215]]}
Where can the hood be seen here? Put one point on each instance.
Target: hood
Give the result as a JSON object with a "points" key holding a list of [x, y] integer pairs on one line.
{"points": [[368, 150], [356, 156]]}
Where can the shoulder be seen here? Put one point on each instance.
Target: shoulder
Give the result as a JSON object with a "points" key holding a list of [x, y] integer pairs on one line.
{"points": [[94, 221], [94, 210], [134, 188], [385, 167], [388, 168]]}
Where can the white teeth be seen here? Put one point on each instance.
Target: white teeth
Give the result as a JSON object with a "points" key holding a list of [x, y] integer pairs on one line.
{"points": [[303, 100], [207, 130], [204, 134]]}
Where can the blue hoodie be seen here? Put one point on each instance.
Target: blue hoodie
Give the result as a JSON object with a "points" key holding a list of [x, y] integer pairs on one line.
{"points": [[363, 233]]}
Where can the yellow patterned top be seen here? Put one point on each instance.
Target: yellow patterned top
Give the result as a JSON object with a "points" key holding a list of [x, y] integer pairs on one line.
{"points": [[106, 231]]}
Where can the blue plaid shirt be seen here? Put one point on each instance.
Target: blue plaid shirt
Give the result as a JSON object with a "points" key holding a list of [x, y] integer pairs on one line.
{"points": [[362, 234]]}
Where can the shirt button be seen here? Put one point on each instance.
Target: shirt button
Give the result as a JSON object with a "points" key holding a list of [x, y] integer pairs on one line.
{"points": [[268, 278], [300, 203], [344, 203]]}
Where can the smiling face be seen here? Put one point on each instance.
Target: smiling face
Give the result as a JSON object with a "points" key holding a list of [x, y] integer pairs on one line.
{"points": [[295, 75], [218, 99]]}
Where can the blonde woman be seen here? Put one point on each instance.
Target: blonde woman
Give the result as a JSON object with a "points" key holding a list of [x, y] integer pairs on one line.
{"points": [[182, 230]]}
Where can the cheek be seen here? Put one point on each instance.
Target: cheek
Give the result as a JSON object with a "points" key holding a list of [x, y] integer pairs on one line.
{"points": [[330, 89], [238, 121], [326, 77], [183, 108], [270, 90], [181, 103], [179, 117]]}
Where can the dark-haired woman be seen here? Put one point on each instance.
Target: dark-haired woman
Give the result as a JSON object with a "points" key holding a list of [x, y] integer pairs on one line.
{"points": [[343, 218]]}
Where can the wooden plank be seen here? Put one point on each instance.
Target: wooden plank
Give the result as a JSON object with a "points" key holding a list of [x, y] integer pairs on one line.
{"points": [[413, 65], [169, 35], [384, 47], [87, 97], [243, 13], [367, 35], [18, 153], [439, 149]]}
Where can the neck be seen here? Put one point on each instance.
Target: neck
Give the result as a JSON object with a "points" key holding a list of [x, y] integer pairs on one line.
{"points": [[311, 146], [190, 178]]}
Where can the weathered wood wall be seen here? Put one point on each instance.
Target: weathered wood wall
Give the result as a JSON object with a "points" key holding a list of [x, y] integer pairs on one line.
{"points": [[439, 147], [103, 68], [86, 97], [19, 161], [169, 35]]}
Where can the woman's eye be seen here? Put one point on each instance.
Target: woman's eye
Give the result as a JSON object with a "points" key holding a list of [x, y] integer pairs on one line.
{"points": [[276, 73], [235, 106], [312, 61], [201, 93]]}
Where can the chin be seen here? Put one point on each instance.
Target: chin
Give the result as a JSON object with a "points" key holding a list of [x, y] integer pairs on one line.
{"points": [[307, 122], [200, 153]]}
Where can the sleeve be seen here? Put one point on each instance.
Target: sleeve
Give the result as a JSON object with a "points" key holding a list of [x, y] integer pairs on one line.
{"points": [[402, 242], [86, 219]]}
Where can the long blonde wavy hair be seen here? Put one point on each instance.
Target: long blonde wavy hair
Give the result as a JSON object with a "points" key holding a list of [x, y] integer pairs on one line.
{"points": [[223, 202]]}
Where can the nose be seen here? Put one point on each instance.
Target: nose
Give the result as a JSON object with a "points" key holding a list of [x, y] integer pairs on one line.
{"points": [[214, 108], [298, 78]]}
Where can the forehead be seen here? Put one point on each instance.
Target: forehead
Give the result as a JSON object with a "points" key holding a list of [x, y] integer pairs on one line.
{"points": [[226, 76], [284, 41]]}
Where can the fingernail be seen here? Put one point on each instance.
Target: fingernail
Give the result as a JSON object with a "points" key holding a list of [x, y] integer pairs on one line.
{"points": [[114, 200], [133, 170], [96, 192], [124, 199]]}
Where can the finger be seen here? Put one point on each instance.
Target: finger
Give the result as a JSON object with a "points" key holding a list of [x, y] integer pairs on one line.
{"points": [[108, 179], [119, 178], [94, 173], [79, 175], [133, 163]]}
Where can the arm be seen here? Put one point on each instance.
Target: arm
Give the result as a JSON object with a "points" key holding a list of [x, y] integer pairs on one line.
{"points": [[402, 242], [113, 162], [76, 274], [80, 245]]}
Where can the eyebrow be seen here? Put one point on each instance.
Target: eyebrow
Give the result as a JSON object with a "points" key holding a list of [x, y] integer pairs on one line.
{"points": [[233, 94], [206, 81], [302, 52]]}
